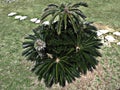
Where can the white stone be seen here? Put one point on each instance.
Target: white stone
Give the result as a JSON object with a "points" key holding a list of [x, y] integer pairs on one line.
{"points": [[102, 39], [23, 17], [118, 43], [100, 32], [46, 23], [104, 31], [18, 17], [110, 38], [33, 19], [55, 21], [117, 33], [12, 14], [38, 21]]}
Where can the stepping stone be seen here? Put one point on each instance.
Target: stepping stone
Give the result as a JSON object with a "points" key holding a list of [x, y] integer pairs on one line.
{"points": [[110, 38], [116, 33], [46, 23], [23, 17], [118, 43], [18, 17], [12, 14], [38, 21], [101, 32], [33, 19], [55, 21]]}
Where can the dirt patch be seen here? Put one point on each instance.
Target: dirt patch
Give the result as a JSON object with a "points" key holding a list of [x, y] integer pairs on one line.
{"points": [[85, 82], [101, 26]]}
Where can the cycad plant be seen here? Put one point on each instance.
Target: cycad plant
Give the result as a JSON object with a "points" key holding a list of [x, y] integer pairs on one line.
{"points": [[65, 48]]}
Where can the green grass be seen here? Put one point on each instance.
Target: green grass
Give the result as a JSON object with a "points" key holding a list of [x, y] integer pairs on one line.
{"points": [[15, 71]]}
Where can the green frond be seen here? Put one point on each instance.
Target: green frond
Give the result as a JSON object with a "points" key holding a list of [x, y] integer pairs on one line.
{"points": [[56, 72], [62, 7], [59, 25], [53, 18], [69, 4], [27, 51], [36, 33], [77, 19], [88, 58], [73, 24], [80, 14], [32, 56], [53, 5], [32, 37], [47, 13], [80, 62], [28, 44], [80, 4], [65, 20]]}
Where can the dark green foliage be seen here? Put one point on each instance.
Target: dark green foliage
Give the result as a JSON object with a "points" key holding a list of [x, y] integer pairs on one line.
{"points": [[65, 13], [66, 48]]}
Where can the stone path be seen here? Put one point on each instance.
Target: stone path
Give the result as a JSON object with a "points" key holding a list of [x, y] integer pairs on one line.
{"points": [[108, 36]]}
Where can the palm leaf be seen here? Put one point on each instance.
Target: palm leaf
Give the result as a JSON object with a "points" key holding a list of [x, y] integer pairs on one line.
{"points": [[32, 37], [73, 24], [88, 58], [65, 21], [59, 25], [27, 51], [56, 72], [80, 14], [53, 5], [47, 13], [76, 5], [28, 44], [53, 18]]}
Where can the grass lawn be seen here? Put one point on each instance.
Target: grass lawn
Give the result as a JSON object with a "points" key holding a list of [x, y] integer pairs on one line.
{"points": [[15, 70]]}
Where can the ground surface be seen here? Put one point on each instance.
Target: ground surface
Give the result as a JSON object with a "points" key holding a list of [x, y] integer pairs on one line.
{"points": [[15, 70]]}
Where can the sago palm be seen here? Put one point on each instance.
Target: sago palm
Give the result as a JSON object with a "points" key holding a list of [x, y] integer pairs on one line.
{"points": [[65, 13], [64, 49]]}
